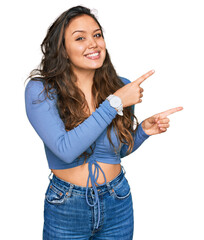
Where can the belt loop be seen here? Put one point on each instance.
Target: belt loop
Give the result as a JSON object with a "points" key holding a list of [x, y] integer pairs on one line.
{"points": [[50, 175], [123, 170], [91, 190], [69, 193], [109, 188]]}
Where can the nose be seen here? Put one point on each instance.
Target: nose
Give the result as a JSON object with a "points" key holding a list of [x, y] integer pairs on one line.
{"points": [[92, 42]]}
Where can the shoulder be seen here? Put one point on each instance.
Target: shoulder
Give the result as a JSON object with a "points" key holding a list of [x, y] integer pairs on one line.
{"points": [[34, 86], [34, 90], [125, 80]]}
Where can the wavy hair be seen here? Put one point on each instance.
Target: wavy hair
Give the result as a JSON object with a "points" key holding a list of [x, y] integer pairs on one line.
{"points": [[58, 79]]}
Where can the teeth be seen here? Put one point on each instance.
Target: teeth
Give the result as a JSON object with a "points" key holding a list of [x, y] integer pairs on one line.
{"points": [[93, 54]]}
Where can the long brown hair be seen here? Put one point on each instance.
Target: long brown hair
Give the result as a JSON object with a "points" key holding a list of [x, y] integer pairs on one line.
{"points": [[56, 74]]}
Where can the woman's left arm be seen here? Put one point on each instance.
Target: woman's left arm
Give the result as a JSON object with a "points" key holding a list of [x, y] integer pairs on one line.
{"points": [[139, 137]]}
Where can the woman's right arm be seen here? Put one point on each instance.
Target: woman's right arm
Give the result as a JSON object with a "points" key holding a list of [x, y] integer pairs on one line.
{"points": [[67, 145], [46, 121]]}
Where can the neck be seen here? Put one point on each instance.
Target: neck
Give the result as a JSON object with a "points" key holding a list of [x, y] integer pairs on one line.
{"points": [[84, 79]]}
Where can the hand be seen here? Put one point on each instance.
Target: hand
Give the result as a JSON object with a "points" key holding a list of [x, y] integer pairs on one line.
{"points": [[159, 122], [131, 93]]}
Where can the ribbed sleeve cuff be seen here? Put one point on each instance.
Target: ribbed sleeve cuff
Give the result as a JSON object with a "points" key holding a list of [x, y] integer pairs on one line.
{"points": [[110, 112]]}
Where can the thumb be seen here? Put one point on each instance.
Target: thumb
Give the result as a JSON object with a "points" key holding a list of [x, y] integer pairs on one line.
{"points": [[153, 119], [150, 121]]}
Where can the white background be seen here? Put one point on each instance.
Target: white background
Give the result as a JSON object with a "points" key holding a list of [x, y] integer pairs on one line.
{"points": [[166, 173]]}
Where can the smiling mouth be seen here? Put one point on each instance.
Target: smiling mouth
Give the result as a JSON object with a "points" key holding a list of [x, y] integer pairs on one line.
{"points": [[93, 56]]}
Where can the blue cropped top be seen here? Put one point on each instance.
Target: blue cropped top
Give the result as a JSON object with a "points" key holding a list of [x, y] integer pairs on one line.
{"points": [[63, 148]]}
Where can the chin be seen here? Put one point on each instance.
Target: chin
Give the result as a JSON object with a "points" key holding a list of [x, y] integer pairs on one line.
{"points": [[95, 66]]}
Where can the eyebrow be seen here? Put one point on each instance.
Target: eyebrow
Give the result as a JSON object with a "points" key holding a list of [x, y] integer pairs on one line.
{"points": [[85, 31]]}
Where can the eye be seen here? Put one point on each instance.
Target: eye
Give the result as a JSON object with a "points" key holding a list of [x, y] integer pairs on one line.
{"points": [[98, 35], [79, 38]]}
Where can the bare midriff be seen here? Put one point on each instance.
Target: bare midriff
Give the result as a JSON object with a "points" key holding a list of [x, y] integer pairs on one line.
{"points": [[79, 175]]}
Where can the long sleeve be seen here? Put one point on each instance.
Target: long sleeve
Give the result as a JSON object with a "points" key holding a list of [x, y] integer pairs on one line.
{"points": [[47, 123], [139, 138]]}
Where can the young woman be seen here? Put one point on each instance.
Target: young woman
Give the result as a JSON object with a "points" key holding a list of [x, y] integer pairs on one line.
{"points": [[84, 114]]}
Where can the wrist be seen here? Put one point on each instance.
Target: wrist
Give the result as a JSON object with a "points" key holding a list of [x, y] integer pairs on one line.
{"points": [[116, 103], [144, 128]]}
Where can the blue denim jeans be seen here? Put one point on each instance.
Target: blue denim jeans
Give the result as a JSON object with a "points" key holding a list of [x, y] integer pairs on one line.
{"points": [[68, 216]]}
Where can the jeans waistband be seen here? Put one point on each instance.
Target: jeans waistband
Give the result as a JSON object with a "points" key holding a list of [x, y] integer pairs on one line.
{"points": [[94, 190]]}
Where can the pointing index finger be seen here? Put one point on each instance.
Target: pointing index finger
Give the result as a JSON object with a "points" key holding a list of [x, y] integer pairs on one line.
{"points": [[144, 77], [170, 111]]}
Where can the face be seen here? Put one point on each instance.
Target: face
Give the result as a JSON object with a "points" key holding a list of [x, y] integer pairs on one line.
{"points": [[84, 44]]}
